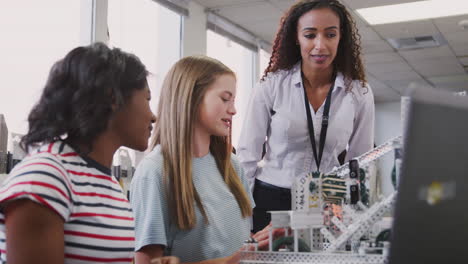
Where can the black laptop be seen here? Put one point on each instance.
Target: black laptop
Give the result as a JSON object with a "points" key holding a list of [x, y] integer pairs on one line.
{"points": [[431, 214]]}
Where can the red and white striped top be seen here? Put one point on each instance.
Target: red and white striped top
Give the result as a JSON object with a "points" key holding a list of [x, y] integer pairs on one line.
{"points": [[99, 224]]}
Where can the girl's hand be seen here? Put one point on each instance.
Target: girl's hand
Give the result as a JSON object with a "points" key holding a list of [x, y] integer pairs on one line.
{"points": [[262, 236], [234, 258]]}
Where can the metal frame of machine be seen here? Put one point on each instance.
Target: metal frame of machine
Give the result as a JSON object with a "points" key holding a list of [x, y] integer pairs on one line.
{"points": [[306, 220]]}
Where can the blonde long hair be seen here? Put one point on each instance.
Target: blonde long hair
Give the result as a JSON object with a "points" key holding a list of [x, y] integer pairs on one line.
{"points": [[182, 93]]}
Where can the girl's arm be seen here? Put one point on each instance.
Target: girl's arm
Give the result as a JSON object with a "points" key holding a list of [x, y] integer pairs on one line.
{"points": [[154, 254], [34, 233]]}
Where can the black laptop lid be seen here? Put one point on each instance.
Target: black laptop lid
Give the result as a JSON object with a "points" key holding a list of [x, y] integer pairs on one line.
{"points": [[431, 215]]}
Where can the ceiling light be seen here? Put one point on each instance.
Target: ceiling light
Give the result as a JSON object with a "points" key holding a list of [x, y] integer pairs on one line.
{"points": [[413, 11]]}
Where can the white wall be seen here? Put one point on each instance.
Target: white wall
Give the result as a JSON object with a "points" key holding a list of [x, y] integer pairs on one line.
{"points": [[387, 125], [194, 31]]}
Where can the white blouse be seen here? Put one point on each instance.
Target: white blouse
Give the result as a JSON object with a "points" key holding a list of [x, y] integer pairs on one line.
{"points": [[276, 112]]}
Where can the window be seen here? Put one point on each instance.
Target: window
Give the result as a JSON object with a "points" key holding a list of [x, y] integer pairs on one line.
{"points": [[242, 61], [32, 41], [153, 33], [264, 59]]}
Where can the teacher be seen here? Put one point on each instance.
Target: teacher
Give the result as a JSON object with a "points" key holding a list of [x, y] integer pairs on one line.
{"points": [[312, 110]]}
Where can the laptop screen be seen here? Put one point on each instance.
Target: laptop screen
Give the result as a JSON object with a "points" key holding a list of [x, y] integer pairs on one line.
{"points": [[431, 215]]}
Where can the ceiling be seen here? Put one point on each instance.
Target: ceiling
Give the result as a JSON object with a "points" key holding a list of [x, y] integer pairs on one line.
{"points": [[389, 71]]}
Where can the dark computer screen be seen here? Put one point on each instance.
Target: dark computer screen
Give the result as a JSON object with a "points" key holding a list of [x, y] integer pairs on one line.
{"points": [[431, 215]]}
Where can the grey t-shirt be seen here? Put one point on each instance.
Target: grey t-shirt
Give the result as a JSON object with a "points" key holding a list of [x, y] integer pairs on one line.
{"points": [[226, 230]]}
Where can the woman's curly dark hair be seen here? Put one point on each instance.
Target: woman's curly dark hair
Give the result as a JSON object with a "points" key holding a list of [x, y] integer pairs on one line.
{"points": [[82, 92], [286, 53]]}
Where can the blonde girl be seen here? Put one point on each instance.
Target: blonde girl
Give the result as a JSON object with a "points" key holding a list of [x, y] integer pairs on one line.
{"points": [[189, 195]]}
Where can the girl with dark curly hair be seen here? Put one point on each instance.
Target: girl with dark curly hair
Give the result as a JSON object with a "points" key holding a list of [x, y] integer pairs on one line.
{"points": [[61, 204], [313, 105]]}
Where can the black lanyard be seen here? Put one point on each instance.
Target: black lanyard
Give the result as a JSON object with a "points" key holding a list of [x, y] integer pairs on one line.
{"points": [[323, 132]]}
